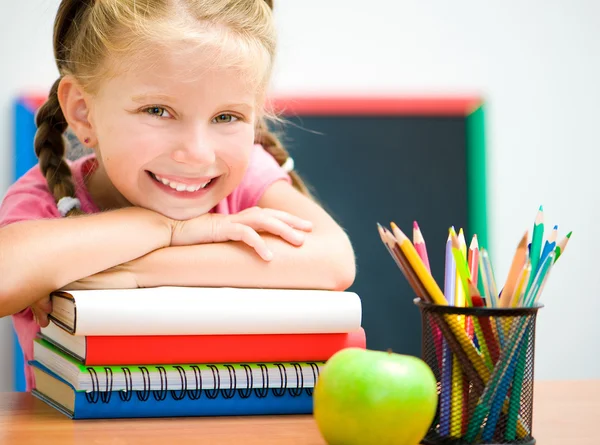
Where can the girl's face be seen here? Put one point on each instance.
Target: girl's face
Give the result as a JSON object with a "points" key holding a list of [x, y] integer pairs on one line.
{"points": [[172, 135]]}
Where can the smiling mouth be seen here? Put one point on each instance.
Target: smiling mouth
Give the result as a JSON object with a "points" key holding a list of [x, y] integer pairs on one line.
{"points": [[180, 187]]}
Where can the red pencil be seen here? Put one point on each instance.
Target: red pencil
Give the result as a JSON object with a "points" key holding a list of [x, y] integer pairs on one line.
{"points": [[474, 259], [419, 243]]}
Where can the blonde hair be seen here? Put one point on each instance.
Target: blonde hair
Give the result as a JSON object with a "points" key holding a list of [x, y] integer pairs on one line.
{"points": [[92, 37]]}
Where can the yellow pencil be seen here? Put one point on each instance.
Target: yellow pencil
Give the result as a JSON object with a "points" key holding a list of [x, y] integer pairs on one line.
{"points": [[462, 271], [521, 285], [417, 264], [456, 397]]}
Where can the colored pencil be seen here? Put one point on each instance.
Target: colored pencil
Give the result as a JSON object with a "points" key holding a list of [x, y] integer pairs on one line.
{"points": [[488, 279], [449, 273], [514, 405], [493, 383], [508, 356], [420, 246], [515, 269], [511, 374], [449, 326], [472, 363], [462, 271], [521, 285], [536, 242], [479, 331], [417, 264], [549, 244], [473, 259], [538, 281], [449, 366], [562, 245], [488, 331]]}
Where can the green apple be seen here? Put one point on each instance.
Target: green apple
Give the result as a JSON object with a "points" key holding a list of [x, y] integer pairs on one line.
{"points": [[374, 397]]}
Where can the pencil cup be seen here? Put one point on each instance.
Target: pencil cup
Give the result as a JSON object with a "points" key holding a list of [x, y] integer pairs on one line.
{"points": [[483, 360]]}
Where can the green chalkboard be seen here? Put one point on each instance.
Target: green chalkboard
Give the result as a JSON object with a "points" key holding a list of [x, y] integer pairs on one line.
{"points": [[385, 164]]}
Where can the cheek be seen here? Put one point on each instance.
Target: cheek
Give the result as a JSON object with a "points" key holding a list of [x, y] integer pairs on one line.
{"points": [[236, 152]]}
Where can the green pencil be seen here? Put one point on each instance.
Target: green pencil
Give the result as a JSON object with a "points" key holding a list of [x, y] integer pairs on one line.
{"points": [[536, 243], [561, 246]]}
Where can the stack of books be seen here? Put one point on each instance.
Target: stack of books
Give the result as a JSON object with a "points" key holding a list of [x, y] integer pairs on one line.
{"points": [[183, 351]]}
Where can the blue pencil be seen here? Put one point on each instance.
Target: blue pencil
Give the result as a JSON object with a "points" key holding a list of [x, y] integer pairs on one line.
{"points": [[446, 390], [505, 384], [549, 245]]}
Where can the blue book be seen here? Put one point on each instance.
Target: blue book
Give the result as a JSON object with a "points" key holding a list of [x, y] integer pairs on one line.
{"points": [[59, 394]]}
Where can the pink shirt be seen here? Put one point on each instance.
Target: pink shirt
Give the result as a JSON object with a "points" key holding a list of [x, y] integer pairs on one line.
{"points": [[29, 198]]}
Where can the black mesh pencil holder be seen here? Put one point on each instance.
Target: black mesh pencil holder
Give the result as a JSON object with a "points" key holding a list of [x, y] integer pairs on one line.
{"points": [[483, 361]]}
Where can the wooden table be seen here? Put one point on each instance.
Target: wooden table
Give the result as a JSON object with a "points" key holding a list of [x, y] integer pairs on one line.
{"points": [[565, 413]]}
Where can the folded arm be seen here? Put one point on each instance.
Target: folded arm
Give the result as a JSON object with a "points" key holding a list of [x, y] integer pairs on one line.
{"points": [[324, 261]]}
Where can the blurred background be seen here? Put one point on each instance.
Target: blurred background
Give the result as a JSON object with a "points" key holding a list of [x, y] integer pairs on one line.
{"points": [[535, 64]]}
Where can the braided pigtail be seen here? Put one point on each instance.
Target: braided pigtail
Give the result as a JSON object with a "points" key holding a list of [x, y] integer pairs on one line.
{"points": [[50, 149], [275, 148]]}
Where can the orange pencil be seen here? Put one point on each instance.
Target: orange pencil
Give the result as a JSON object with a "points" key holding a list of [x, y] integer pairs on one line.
{"points": [[515, 269]]}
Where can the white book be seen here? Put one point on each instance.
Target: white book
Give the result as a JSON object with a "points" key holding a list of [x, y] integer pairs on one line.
{"points": [[172, 310]]}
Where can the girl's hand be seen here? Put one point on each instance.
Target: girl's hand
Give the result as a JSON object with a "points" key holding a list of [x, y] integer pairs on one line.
{"points": [[41, 309], [244, 227]]}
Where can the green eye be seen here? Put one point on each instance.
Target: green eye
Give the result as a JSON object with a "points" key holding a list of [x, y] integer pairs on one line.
{"points": [[157, 111], [224, 118]]}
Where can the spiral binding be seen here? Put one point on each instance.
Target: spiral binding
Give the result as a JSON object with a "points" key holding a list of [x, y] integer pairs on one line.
{"points": [[194, 390]]}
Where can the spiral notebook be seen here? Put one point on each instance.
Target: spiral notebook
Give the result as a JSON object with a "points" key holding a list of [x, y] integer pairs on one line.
{"points": [[166, 403], [174, 377]]}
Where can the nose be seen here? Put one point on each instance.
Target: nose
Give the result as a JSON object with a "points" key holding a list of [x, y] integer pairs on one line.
{"points": [[196, 146]]}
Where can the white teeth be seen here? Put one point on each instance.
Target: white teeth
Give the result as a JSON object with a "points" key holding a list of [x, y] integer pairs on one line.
{"points": [[181, 187]]}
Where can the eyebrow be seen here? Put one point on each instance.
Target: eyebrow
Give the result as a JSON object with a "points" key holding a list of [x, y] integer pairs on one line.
{"points": [[246, 106], [145, 97]]}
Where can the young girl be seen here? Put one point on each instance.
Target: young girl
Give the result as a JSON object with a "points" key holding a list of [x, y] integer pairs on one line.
{"points": [[186, 185]]}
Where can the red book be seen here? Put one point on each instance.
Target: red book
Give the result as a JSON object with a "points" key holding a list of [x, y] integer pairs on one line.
{"points": [[182, 349]]}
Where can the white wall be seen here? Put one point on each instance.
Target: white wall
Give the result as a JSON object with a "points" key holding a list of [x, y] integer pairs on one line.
{"points": [[535, 62]]}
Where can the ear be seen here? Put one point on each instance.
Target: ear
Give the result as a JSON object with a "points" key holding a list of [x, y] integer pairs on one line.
{"points": [[75, 105]]}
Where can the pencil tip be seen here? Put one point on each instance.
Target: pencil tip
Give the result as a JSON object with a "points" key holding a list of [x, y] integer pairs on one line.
{"points": [[555, 227], [415, 225], [569, 234], [541, 208]]}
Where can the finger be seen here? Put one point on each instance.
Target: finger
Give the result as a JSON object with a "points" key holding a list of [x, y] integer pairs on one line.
{"points": [[291, 220], [247, 235], [43, 320], [267, 223], [44, 305], [40, 317]]}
